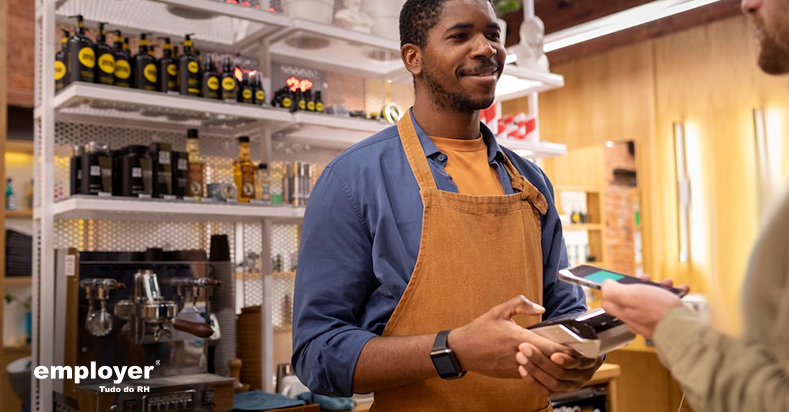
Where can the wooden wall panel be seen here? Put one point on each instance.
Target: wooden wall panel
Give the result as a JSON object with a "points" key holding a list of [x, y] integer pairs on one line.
{"points": [[707, 77]]}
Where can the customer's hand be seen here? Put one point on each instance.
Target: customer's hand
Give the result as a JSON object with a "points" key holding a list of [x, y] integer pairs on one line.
{"points": [[641, 307], [552, 373], [488, 344]]}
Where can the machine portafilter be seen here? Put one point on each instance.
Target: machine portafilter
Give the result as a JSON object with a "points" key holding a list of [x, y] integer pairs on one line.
{"points": [[99, 323], [190, 290], [152, 313]]}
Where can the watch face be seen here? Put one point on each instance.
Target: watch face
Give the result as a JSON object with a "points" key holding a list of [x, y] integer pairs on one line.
{"points": [[444, 365]]}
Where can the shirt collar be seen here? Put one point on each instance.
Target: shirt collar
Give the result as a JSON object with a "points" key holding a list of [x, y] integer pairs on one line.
{"points": [[494, 150]]}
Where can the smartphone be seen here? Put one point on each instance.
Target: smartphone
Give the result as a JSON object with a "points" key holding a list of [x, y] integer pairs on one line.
{"points": [[593, 277]]}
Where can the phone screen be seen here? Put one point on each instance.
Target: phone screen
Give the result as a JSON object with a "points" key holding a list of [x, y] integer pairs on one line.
{"points": [[593, 277]]}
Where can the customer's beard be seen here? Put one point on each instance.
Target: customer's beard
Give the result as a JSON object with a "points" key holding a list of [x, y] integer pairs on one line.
{"points": [[459, 102], [774, 56]]}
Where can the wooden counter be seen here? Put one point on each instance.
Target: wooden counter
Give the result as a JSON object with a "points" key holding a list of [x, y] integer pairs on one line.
{"points": [[605, 376]]}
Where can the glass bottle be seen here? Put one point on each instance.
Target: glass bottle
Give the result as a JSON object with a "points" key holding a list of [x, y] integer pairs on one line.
{"points": [[277, 187], [263, 192], [196, 165], [244, 171]]}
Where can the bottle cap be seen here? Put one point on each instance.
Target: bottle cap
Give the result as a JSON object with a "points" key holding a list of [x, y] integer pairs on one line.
{"points": [[243, 139], [191, 133]]}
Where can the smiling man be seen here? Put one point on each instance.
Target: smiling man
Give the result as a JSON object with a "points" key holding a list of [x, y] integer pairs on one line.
{"points": [[422, 243]]}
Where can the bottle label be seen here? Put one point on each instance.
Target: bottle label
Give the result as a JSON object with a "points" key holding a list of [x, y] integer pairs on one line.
{"points": [[150, 72], [247, 94], [287, 103], [193, 67], [60, 70], [195, 179], [87, 57], [122, 69], [311, 106], [136, 172], [164, 158], [183, 164], [172, 69], [107, 63], [229, 84], [260, 95], [213, 83], [95, 170], [303, 104], [247, 182], [319, 107]]}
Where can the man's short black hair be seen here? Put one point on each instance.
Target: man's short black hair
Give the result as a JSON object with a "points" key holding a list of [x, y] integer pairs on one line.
{"points": [[417, 18]]}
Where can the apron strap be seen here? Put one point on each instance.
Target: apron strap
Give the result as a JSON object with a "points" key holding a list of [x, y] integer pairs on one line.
{"points": [[424, 177], [529, 193], [415, 153]]}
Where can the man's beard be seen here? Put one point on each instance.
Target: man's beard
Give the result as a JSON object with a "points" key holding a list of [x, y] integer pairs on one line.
{"points": [[774, 57], [459, 102]]}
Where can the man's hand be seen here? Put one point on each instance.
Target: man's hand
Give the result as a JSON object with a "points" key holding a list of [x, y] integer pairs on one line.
{"points": [[641, 307], [488, 344], [552, 373]]}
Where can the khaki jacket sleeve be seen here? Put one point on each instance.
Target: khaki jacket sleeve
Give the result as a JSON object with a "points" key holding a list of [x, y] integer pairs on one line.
{"points": [[719, 373]]}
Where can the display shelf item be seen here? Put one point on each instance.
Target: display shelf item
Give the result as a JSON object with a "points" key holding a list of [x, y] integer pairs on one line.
{"points": [[215, 25], [86, 103], [98, 208], [534, 150]]}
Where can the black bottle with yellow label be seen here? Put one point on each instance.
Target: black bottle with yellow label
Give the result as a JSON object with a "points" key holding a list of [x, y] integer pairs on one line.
{"points": [[300, 102], [287, 99], [319, 107], [258, 91], [188, 70], [245, 93], [105, 58], [123, 69], [145, 73], [229, 82], [81, 57], [210, 80], [310, 102], [168, 70], [61, 63]]}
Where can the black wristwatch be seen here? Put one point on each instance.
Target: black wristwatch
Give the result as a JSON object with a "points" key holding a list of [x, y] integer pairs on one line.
{"points": [[444, 359]]}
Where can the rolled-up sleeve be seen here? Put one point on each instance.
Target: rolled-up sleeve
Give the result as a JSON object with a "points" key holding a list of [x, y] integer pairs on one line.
{"points": [[332, 281], [559, 298]]}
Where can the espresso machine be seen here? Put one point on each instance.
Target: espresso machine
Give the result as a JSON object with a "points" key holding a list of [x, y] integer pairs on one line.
{"points": [[146, 309]]}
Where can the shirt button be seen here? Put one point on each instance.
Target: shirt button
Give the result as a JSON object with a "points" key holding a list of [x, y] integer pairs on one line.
{"points": [[441, 158]]}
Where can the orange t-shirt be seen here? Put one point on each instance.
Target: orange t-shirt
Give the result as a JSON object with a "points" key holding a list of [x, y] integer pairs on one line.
{"points": [[467, 164]]}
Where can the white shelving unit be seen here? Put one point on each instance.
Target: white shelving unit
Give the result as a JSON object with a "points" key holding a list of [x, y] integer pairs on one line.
{"points": [[96, 208], [217, 27]]}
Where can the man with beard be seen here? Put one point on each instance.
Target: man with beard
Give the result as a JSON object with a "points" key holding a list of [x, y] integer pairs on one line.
{"points": [[428, 247], [717, 372]]}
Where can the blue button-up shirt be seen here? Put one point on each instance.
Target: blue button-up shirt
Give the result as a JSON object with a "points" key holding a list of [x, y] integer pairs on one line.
{"points": [[359, 246]]}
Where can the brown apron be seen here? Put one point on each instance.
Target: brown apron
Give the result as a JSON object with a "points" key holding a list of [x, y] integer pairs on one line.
{"points": [[476, 252]]}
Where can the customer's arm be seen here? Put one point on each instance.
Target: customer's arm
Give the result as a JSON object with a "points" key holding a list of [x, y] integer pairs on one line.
{"points": [[719, 373]]}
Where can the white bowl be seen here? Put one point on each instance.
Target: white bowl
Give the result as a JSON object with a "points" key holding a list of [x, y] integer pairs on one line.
{"points": [[320, 11]]}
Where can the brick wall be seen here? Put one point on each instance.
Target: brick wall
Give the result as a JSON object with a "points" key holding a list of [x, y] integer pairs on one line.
{"points": [[21, 52], [619, 206]]}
